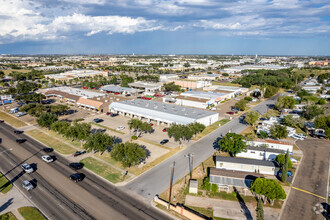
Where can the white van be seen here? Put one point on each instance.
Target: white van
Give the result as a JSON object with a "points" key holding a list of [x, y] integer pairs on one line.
{"points": [[14, 110]]}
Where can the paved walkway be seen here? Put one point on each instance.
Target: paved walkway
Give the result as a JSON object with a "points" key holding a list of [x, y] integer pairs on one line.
{"points": [[13, 200], [230, 209]]}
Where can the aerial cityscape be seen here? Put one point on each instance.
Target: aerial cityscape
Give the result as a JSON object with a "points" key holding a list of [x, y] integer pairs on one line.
{"points": [[165, 109]]}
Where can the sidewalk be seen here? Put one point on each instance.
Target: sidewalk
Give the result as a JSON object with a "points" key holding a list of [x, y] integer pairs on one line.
{"points": [[13, 200]]}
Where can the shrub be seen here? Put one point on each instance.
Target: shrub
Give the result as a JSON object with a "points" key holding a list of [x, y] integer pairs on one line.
{"points": [[134, 137], [214, 188], [206, 184], [249, 99]]}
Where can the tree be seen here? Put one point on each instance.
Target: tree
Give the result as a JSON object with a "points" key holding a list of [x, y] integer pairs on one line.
{"points": [[2, 74], [196, 127], [125, 80], [241, 104], [322, 122], [263, 134], [171, 87], [139, 126], [251, 118], [99, 141], [26, 87], [281, 160], [260, 210], [285, 102], [232, 143], [322, 77], [311, 111], [46, 119], [184, 132], [58, 109], [268, 188], [129, 154], [278, 131], [270, 91], [285, 167], [84, 131], [322, 102], [59, 126]]}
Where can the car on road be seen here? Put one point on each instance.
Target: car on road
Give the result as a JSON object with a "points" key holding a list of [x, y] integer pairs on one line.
{"points": [[2, 121], [47, 158], [230, 113], [164, 130], [77, 177], [18, 132], [76, 166], [48, 149], [164, 141], [120, 128], [289, 173], [20, 140], [27, 185], [19, 114], [27, 168], [151, 124], [97, 120], [77, 153]]}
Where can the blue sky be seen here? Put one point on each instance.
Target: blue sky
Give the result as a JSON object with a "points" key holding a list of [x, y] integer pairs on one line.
{"points": [[270, 27]]}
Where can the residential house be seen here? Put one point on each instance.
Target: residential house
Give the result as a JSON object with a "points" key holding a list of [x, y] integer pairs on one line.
{"points": [[272, 144]]}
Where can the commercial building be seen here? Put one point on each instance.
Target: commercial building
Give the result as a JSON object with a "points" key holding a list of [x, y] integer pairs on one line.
{"points": [[246, 165], [210, 77], [260, 153], [238, 69], [121, 90], [54, 68], [230, 90], [146, 86], [225, 178], [76, 74], [163, 113], [168, 77], [192, 84]]}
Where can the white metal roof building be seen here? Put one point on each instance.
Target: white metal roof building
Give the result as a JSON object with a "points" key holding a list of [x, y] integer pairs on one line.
{"points": [[113, 88], [78, 92], [162, 112]]}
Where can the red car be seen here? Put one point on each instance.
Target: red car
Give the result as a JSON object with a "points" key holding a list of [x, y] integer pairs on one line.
{"points": [[108, 113], [117, 93], [151, 124], [230, 113], [84, 87], [164, 130]]}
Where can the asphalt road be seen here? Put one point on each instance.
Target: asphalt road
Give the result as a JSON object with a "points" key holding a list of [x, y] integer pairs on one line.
{"points": [[157, 180], [60, 198], [312, 177]]}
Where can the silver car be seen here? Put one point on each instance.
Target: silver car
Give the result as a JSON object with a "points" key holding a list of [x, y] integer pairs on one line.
{"points": [[27, 168], [27, 185]]}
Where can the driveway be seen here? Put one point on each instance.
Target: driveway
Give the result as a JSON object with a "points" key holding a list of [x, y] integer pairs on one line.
{"points": [[312, 178]]}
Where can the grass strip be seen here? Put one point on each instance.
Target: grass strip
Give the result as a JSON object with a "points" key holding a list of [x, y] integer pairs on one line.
{"points": [[8, 216], [103, 169], [31, 213], [12, 120], [49, 141], [5, 184]]}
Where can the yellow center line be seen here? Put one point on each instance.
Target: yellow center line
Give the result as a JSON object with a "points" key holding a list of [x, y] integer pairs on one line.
{"points": [[308, 192]]}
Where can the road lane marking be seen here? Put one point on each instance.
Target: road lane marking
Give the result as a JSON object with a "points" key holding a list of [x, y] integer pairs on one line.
{"points": [[308, 192]]}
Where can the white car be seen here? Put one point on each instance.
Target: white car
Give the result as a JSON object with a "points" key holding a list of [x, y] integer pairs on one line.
{"points": [[301, 135], [19, 114], [47, 158], [27, 185], [293, 160], [120, 128], [27, 168], [297, 137]]}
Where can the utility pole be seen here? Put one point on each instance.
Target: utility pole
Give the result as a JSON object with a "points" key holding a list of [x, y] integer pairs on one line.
{"points": [[191, 159], [171, 182]]}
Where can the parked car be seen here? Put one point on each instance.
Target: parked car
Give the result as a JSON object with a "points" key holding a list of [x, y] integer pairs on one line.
{"points": [[120, 128], [27, 185], [164, 141], [20, 140], [235, 109], [2, 121], [19, 114], [297, 137], [128, 95], [18, 132], [293, 160], [48, 149], [77, 177], [77, 153], [151, 124], [113, 114], [27, 168], [76, 166], [97, 120], [108, 113], [47, 158], [117, 93], [164, 130], [230, 113]]}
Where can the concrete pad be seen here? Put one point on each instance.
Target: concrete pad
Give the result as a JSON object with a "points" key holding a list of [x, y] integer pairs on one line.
{"points": [[153, 151]]}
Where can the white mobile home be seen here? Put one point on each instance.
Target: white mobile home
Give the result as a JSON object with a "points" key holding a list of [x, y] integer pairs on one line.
{"points": [[260, 153]]}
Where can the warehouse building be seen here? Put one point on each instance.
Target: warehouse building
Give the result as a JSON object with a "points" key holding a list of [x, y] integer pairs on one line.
{"points": [[121, 90], [163, 113]]}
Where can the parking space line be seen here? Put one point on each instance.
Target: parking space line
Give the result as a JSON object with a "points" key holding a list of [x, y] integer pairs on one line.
{"points": [[308, 192]]}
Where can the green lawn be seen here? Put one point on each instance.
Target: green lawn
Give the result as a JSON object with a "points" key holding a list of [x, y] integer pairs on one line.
{"points": [[226, 84], [105, 127], [5, 185], [51, 142], [31, 213], [8, 216], [59, 136], [103, 169], [211, 128], [12, 120]]}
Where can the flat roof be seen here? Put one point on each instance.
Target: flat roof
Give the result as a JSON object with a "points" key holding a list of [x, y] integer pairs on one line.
{"points": [[113, 88], [205, 95], [195, 99], [245, 161], [77, 92], [144, 85], [233, 173], [161, 111], [266, 149]]}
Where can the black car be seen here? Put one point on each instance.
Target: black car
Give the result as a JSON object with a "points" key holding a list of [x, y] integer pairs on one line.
{"points": [[77, 153], [164, 141], [97, 120], [77, 177], [48, 149], [2, 121], [76, 166], [21, 140], [113, 114], [18, 132]]}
